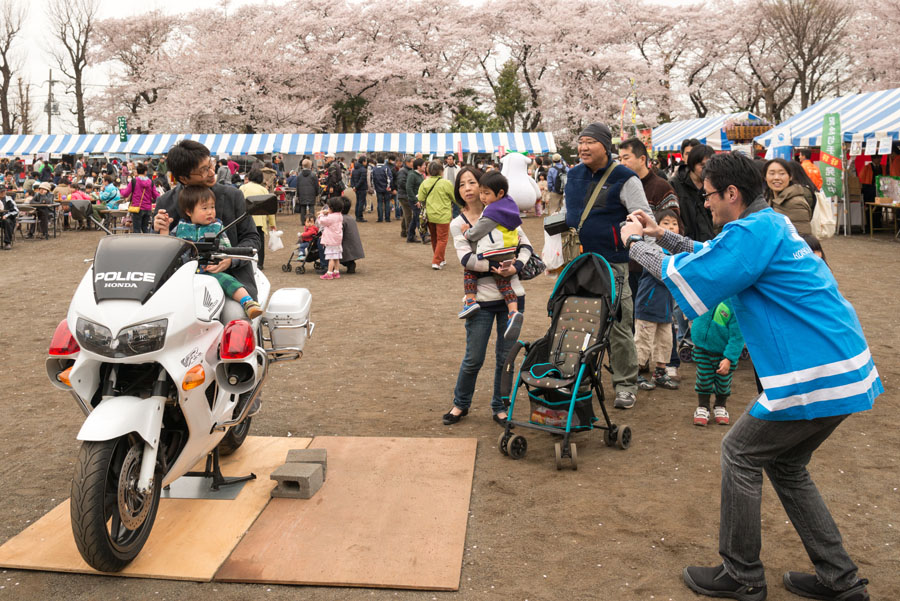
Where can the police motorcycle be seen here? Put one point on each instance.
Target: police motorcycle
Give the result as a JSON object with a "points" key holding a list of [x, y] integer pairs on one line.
{"points": [[163, 383]]}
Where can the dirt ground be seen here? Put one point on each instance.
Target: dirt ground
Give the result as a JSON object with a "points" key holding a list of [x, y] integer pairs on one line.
{"points": [[383, 361]]}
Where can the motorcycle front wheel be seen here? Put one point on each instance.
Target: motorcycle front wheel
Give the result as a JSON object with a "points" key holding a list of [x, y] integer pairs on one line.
{"points": [[111, 519]]}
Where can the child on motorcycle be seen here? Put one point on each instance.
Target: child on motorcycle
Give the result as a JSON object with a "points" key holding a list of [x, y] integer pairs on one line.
{"points": [[199, 204]]}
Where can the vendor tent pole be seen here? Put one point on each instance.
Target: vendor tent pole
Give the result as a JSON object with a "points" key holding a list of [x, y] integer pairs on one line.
{"points": [[846, 197]]}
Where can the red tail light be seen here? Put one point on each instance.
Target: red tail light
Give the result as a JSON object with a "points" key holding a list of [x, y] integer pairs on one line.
{"points": [[63, 342], [237, 340]]}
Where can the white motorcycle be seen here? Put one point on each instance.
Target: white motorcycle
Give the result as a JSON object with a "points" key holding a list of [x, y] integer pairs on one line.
{"points": [[162, 381]]}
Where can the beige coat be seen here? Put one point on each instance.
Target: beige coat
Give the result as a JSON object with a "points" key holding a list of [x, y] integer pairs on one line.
{"points": [[796, 202]]}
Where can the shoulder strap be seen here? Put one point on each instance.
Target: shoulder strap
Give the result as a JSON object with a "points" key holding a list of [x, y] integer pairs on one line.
{"points": [[596, 193]]}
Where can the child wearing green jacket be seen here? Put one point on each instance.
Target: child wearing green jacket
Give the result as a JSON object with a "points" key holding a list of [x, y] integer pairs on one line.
{"points": [[717, 347]]}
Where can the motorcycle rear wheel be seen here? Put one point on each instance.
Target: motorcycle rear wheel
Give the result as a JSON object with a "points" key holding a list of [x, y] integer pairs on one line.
{"points": [[102, 488], [234, 438]]}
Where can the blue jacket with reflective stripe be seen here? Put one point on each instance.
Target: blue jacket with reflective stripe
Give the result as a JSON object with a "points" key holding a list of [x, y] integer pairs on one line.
{"points": [[805, 338]]}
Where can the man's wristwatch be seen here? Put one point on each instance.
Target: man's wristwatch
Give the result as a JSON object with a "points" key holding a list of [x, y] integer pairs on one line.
{"points": [[631, 240]]}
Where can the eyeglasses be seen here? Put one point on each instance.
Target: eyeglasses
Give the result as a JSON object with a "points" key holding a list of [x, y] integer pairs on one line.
{"points": [[705, 196], [211, 166]]}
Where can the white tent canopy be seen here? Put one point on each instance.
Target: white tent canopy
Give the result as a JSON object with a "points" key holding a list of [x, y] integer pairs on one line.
{"points": [[288, 144], [708, 130], [863, 116]]}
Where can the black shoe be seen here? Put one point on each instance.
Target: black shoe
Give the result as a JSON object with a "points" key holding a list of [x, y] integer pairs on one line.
{"points": [[807, 585], [426, 240], [411, 241], [450, 419], [362, 220], [351, 266], [387, 220], [379, 221], [500, 420], [715, 582]]}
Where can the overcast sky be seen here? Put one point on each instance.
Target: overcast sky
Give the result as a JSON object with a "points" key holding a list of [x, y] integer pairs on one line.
{"points": [[34, 41]]}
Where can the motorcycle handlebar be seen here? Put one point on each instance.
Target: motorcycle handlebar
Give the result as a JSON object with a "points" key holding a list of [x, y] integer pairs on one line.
{"points": [[239, 250]]}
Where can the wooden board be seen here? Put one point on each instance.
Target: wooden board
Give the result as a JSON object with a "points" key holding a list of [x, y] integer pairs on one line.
{"points": [[190, 538], [392, 513]]}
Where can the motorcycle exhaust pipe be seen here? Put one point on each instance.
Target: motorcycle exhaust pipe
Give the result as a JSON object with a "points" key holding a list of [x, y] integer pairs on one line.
{"points": [[237, 377]]}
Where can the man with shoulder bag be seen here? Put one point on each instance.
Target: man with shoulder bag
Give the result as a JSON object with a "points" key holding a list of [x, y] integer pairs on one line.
{"points": [[599, 194]]}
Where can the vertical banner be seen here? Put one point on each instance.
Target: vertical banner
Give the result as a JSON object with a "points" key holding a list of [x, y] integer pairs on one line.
{"points": [[459, 151], [501, 151], [780, 146], [830, 163]]}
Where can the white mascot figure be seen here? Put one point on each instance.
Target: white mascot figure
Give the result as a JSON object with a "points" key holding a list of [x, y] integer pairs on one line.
{"points": [[522, 187]]}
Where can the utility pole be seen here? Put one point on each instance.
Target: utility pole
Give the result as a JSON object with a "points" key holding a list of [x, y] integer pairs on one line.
{"points": [[50, 83]]}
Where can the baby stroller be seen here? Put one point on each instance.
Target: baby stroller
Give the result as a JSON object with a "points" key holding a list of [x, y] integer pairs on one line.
{"points": [[311, 256], [561, 370]]}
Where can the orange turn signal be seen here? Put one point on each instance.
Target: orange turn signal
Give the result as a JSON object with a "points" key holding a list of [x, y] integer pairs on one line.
{"points": [[194, 377], [63, 376]]}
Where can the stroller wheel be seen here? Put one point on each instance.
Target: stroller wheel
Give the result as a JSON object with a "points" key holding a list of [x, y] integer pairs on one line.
{"points": [[624, 439], [573, 453], [557, 448], [301, 269], [609, 437], [517, 446], [686, 354], [286, 267], [503, 442]]}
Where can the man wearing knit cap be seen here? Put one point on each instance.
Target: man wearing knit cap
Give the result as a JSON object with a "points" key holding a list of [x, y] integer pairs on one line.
{"points": [[622, 193]]}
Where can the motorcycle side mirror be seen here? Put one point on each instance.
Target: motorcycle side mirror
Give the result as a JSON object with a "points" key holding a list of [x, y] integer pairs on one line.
{"points": [[261, 204]]}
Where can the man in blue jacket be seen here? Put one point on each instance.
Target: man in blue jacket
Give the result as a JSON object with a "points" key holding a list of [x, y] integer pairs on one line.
{"points": [[359, 183], [813, 361], [622, 193], [382, 179]]}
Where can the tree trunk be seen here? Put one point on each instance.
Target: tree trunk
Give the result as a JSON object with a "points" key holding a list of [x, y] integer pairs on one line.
{"points": [[79, 103], [7, 122]]}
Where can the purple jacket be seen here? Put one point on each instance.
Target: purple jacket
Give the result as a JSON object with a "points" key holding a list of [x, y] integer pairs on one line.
{"points": [[505, 212], [142, 192]]}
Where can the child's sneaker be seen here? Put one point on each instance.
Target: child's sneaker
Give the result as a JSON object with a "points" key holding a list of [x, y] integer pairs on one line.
{"points": [[335, 275], [701, 416], [326, 276], [662, 379], [721, 415], [645, 384], [513, 326], [470, 307], [252, 309]]}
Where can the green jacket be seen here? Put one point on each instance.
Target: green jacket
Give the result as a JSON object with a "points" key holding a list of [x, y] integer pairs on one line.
{"points": [[438, 207], [413, 181], [717, 331]]}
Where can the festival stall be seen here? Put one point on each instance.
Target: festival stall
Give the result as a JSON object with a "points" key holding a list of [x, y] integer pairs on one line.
{"points": [[721, 132], [286, 144], [869, 126]]}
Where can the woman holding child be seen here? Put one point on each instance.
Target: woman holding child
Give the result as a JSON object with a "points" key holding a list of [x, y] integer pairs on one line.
{"points": [[493, 311]]}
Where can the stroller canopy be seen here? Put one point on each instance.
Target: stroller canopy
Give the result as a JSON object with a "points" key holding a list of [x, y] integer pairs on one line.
{"points": [[588, 274]]}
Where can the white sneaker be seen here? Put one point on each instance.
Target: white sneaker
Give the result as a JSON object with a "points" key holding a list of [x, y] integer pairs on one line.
{"points": [[721, 415], [701, 416], [435, 266], [672, 372], [443, 263]]}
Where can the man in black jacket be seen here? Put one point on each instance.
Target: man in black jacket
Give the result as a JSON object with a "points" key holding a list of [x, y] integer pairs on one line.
{"points": [[307, 190], [402, 199], [698, 223], [359, 183], [191, 165]]}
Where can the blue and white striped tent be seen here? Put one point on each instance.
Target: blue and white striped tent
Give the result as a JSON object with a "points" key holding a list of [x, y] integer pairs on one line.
{"points": [[709, 130], [863, 116], [299, 144]]}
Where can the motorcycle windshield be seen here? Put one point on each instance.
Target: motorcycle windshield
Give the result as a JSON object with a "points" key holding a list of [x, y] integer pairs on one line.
{"points": [[135, 266]]}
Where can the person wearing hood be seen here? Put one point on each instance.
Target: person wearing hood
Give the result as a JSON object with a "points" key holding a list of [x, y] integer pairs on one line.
{"points": [[307, 186], [496, 238], [599, 195]]}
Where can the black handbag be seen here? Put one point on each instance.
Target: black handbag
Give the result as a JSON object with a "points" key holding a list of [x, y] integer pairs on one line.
{"points": [[533, 268]]}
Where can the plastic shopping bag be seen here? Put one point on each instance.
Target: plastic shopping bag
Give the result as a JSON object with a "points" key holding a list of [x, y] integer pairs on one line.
{"points": [[823, 221], [275, 242], [552, 252]]}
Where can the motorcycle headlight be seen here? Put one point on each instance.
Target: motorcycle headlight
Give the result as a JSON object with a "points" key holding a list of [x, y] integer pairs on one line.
{"points": [[135, 340]]}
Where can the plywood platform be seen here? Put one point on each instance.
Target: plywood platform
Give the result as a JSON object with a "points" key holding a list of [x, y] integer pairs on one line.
{"points": [[190, 538], [392, 513]]}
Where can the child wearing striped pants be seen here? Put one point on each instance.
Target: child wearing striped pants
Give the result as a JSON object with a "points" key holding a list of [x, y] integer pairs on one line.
{"points": [[717, 347]]}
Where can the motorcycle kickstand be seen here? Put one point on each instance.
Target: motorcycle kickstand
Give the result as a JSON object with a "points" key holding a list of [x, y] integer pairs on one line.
{"points": [[214, 472]]}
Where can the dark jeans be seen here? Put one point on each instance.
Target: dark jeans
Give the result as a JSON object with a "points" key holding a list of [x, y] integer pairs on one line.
{"points": [[360, 204], [384, 205], [140, 222], [303, 209], [478, 333], [783, 449], [261, 258], [413, 222], [398, 209], [7, 228]]}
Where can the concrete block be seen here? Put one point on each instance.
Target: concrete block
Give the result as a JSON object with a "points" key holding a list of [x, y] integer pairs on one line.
{"points": [[319, 456], [297, 480]]}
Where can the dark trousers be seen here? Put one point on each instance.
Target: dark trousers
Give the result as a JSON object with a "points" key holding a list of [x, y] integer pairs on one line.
{"points": [[303, 209], [403, 205], [7, 228], [262, 247], [43, 220], [360, 204], [140, 222], [413, 225], [384, 205]]}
